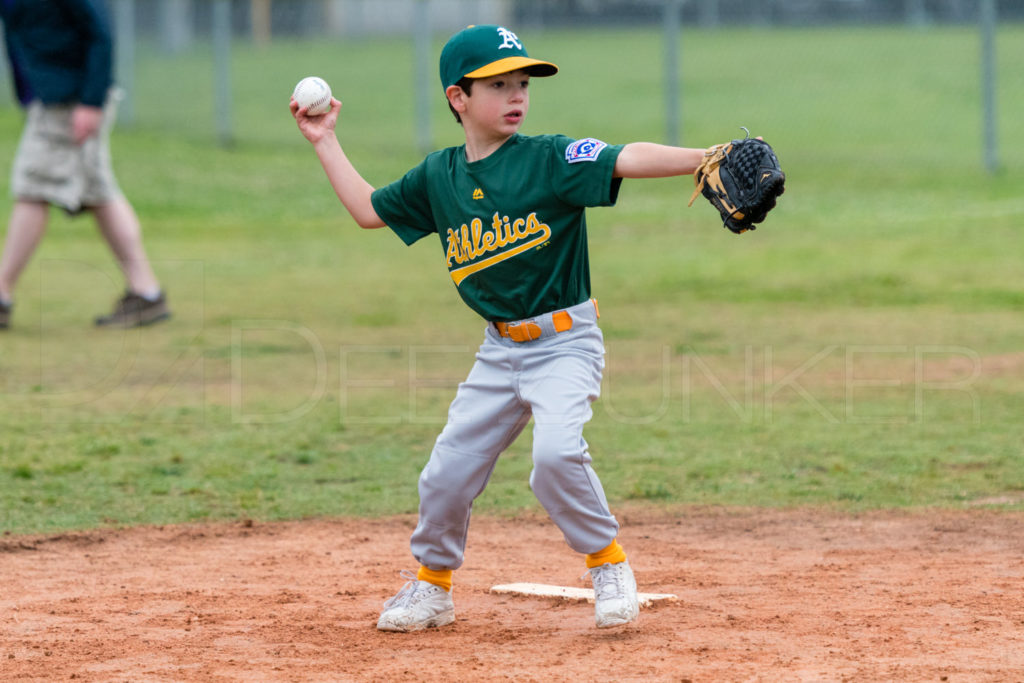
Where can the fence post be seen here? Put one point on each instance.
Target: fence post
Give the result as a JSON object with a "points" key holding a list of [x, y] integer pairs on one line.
{"points": [[988, 83], [422, 73], [124, 46], [175, 25], [708, 13], [221, 36], [917, 13], [673, 23], [259, 10]]}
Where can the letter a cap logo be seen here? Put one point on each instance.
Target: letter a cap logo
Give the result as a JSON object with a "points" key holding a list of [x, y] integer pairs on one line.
{"points": [[487, 50]]}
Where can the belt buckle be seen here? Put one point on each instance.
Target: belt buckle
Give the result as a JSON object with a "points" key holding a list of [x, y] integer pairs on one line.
{"points": [[524, 331]]}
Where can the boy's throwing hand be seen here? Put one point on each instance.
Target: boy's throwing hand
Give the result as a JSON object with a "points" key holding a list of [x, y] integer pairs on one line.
{"points": [[315, 128]]}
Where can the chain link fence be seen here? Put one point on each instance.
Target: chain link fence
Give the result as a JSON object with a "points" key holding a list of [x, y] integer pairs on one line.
{"points": [[199, 67], [177, 23]]}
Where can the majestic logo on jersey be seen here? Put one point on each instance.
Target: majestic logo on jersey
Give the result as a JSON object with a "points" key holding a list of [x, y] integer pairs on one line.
{"points": [[510, 40], [478, 194], [586, 149], [506, 237]]}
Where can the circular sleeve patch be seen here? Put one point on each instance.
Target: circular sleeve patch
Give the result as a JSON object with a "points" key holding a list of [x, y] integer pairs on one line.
{"points": [[586, 149]]}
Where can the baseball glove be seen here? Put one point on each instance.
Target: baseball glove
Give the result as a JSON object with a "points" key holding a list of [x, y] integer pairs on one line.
{"points": [[742, 179]]}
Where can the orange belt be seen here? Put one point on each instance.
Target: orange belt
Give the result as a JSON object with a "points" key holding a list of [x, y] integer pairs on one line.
{"points": [[529, 330]]}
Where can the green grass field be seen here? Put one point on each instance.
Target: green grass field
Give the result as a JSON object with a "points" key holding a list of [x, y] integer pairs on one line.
{"points": [[863, 349]]}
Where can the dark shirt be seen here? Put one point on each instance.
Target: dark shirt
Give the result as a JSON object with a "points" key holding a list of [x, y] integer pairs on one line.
{"points": [[61, 51]]}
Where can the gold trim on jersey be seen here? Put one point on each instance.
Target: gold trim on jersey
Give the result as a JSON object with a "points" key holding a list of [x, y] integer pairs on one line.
{"points": [[471, 241]]}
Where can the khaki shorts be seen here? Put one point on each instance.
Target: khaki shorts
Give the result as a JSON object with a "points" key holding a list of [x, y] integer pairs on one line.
{"points": [[50, 167]]}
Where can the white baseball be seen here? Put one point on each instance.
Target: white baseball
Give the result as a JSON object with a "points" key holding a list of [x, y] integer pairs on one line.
{"points": [[313, 92]]}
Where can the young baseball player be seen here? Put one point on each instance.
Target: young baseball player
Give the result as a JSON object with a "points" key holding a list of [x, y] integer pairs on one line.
{"points": [[508, 211]]}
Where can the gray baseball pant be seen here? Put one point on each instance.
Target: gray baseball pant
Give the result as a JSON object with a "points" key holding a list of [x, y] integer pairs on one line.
{"points": [[554, 379]]}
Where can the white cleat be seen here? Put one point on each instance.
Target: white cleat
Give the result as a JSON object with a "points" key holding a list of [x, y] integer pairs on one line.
{"points": [[417, 606], [615, 599]]}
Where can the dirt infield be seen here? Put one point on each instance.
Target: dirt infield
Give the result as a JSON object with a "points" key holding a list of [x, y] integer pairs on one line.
{"points": [[803, 595]]}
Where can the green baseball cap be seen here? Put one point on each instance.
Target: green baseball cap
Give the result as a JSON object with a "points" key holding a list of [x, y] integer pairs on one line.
{"points": [[482, 51]]}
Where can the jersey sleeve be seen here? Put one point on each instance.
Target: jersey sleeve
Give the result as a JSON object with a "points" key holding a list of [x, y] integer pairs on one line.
{"points": [[583, 171], [404, 205]]}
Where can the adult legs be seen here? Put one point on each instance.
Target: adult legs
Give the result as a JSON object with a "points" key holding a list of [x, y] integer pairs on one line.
{"points": [[120, 227], [24, 231]]}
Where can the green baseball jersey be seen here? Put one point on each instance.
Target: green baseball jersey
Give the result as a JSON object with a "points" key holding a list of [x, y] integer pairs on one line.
{"points": [[512, 225]]}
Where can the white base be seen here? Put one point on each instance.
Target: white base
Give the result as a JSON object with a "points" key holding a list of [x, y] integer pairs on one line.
{"points": [[568, 592]]}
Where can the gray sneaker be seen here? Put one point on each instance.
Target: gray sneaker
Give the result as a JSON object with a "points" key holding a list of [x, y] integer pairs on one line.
{"points": [[417, 606], [5, 315], [615, 599], [132, 310]]}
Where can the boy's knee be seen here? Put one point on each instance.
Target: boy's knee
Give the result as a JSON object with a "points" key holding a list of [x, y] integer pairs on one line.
{"points": [[453, 476], [553, 448]]}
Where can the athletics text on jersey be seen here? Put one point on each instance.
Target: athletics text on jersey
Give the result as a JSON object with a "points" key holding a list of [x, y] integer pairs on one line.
{"points": [[512, 225], [507, 238]]}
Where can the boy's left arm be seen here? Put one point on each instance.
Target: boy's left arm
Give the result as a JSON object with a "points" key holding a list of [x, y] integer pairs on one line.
{"points": [[651, 160]]}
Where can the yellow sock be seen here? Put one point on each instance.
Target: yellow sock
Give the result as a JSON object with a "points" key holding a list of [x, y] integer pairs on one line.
{"points": [[438, 577], [613, 554]]}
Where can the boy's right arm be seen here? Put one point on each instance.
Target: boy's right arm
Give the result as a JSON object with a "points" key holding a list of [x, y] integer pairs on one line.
{"points": [[652, 160], [351, 188]]}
